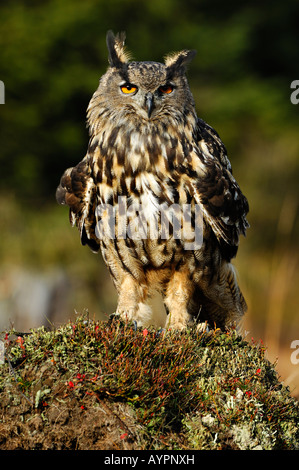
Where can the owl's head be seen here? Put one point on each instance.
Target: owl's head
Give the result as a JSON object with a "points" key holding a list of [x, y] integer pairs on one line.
{"points": [[148, 89]]}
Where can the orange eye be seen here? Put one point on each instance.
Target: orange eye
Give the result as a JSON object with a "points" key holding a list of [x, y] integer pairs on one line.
{"points": [[128, 89], [166, 89]]}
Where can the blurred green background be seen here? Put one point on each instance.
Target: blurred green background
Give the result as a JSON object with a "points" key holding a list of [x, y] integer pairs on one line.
{"points": [[52, 54]]}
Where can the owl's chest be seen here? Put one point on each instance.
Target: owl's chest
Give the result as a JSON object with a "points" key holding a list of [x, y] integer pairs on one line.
{"points": [[145, 166], [138, 178], [152, 212], [137, 195]]}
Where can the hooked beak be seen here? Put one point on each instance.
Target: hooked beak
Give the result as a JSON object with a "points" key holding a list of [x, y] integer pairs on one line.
{"points": [[149, 103]]}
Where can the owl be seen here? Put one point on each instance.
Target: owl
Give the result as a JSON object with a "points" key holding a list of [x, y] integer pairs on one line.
{"points": [[156, 196]]}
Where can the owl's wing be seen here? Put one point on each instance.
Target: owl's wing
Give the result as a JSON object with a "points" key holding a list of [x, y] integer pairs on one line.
{"points": [[206, 135], [223, 205], [78, 191]]}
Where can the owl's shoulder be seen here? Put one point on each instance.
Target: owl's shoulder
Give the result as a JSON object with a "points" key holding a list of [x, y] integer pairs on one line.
{"points": [[207, 136]]}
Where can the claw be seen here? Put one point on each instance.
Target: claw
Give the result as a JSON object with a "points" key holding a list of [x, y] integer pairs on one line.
{"points": [[160, 332], [112, 317]]}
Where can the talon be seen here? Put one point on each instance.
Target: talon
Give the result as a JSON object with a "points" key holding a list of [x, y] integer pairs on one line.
{"points": [[160, 332], [112, 317]]}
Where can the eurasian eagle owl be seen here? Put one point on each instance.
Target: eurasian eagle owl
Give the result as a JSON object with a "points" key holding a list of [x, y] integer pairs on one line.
{"points": [[155, 193]]}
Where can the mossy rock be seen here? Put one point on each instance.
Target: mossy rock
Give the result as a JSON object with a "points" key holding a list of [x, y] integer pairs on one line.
{"points": [[107, 385]]}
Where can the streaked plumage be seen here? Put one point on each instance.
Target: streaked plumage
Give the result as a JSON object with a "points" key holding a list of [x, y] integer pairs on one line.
{"points": [[148, 146]]}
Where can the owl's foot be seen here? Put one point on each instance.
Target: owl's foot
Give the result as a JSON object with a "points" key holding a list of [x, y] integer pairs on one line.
{"points": [[178, 320], [139, 314]]}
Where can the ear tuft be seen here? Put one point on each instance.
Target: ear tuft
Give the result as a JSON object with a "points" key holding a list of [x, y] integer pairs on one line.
{"points": [[178, 61], [116, 49]]}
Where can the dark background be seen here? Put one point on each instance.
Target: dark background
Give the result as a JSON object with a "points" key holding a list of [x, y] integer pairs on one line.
{"points": [[52, 54]]}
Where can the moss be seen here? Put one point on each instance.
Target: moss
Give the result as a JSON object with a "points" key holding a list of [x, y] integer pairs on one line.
{"points": [[184, 389]]}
